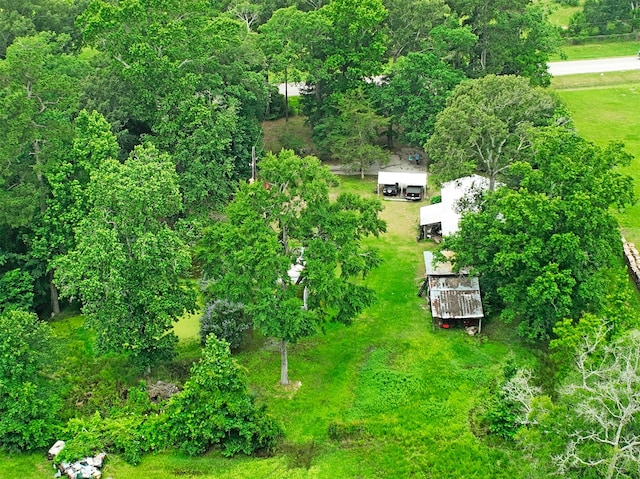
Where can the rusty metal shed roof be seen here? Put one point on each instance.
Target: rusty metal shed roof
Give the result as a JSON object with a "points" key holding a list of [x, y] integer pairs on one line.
{"points": [[455, 297]]}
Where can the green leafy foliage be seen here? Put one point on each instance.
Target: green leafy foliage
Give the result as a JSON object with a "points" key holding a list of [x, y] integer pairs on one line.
{"points": [[542, 249], [416, 91], [286, 221], [129, 266], [134, 429], [514, 37], [29, 400], [226, 320], [352, 135], [16, 290], [487, 125], [215, 409]]}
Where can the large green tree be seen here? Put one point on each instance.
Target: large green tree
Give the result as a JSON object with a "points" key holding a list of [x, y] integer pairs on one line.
{"points": [[354, 133], [208, 93], [487, 125], [409, 23], [128, 267], [415, 91], [543, 248], [514, 37], [289, 254], [39, 98]]}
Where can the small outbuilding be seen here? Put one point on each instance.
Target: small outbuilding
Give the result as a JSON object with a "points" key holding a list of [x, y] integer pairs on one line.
{"points": [[454, 298], [442, 218]]}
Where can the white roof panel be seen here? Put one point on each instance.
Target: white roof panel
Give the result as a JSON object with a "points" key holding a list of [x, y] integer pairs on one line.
{"points": [[402, 178]]}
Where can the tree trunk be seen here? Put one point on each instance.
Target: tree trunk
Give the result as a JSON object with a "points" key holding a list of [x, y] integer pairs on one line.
{"points": [[362, 173], [284, 364], [55, 304]]}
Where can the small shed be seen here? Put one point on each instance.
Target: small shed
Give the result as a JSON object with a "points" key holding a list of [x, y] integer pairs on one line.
{"points": [[454, 297], [442, 218], [403, 179]]}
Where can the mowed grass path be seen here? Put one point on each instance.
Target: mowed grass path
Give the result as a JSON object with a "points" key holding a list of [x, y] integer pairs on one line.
{"points": [[602, 114], [406, 392]]}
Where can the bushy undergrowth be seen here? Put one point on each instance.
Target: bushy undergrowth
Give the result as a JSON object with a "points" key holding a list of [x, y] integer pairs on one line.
{"points": [[226, 320], [29, 399], [215, 408]]}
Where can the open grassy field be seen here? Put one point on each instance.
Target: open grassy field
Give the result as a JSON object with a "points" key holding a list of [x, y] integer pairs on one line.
{"points": [[609, 112], [398, 396], [559, 14], [598, 50]]}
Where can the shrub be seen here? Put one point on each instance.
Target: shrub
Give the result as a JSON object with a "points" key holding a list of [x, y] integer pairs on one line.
{"points": [[226, 320], [215, 409], [436, 199], [135, 429], [29, 400], [16, 290]]}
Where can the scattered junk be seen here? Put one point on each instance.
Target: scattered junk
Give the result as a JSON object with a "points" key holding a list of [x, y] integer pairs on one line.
{"points": [[454, 297], [632, 258], [161, 391], [55, 450], [87, 468]]}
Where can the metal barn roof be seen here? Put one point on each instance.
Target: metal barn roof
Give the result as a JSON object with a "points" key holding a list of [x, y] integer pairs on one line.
{"points": [[452, 295], [455, 297]]}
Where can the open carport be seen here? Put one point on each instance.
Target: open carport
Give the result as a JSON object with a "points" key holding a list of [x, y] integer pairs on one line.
{"points": [[403, 179]]}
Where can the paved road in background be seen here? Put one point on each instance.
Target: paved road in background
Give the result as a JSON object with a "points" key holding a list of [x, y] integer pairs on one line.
{"points": [[601, 65]]}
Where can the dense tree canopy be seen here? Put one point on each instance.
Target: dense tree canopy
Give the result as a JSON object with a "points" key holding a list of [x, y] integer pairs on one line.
{"points": [[128, 267], [416, 90], [283, 220], [487, 125], [542, 248]]}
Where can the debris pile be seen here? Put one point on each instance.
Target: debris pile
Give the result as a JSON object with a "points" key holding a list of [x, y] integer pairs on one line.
{"points": [[87, 468], [633, 261]]}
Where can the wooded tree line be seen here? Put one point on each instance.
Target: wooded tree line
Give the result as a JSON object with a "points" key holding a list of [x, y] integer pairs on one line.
{"points": [[187, 82], [604, 17]]}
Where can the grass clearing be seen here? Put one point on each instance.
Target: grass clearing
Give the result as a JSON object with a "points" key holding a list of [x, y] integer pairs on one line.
{"points": [[598, 50], [596, 80], [293, 135]]}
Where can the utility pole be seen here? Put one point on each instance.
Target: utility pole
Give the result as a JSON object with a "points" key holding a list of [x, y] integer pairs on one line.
{"points": [[253, 164]]}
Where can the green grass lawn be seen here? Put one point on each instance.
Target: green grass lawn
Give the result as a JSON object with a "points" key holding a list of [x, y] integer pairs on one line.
{"points": [[598, 50], [557, 14], [610, 113]]}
